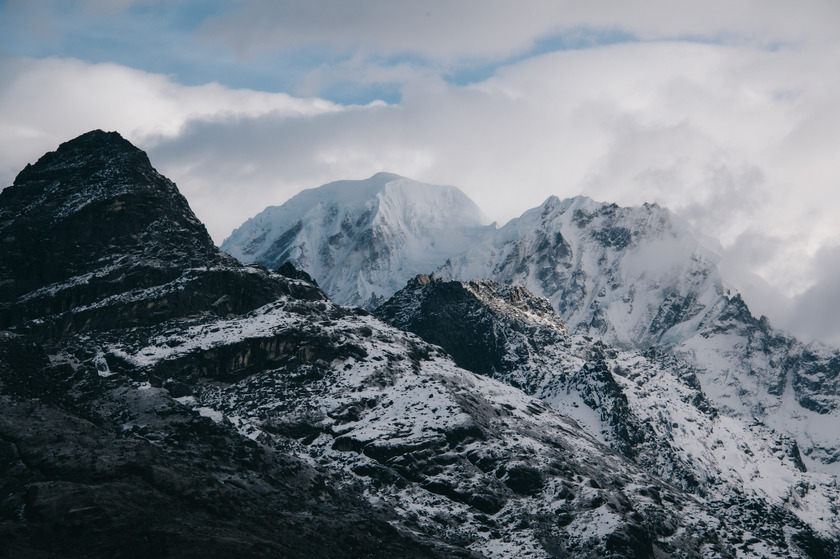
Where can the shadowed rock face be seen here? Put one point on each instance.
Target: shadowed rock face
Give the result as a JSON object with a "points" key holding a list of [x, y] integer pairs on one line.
{"points": [[94, 238], [487, 327]]}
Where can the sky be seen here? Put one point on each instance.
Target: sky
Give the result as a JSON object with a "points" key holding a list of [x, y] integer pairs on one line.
{"points": [[726, 112]]}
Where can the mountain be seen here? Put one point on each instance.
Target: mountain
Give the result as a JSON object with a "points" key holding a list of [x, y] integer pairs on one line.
{"points": [[93, 237], [160, 399], [638, 278], [97, 459], [635, 278], [649, 406], [361, 240]]}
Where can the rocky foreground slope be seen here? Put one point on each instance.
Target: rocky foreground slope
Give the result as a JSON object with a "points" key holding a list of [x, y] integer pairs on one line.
{"points": [[159, 399]]}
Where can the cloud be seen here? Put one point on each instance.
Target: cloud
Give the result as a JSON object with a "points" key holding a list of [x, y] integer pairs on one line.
{"points": [[44, 102], [495, 29], [738, 138], [814, 314]]}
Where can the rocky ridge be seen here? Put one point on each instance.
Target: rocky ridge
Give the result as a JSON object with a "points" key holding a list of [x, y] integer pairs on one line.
{"points": [[638, 278], [649, 406]]}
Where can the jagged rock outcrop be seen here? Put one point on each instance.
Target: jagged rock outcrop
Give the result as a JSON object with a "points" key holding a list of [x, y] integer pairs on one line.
{"points": [[463, 318]]}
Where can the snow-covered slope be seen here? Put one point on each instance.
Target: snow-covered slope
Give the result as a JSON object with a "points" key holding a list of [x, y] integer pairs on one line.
{"points": [[361, 240], [465, 459], [647, 405], [638, 278]]}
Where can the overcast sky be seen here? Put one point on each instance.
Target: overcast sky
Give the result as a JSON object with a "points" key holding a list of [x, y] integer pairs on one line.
{"points": [[727, 112]]}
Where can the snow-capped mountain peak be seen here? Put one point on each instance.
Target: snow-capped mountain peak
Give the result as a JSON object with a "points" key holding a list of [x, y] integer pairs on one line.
{"points": [[362, 240], [606, 269], [632, 277]]}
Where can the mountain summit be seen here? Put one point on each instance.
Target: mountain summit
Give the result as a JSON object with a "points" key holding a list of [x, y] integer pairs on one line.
{"points": [[100, 191], [362, 240], [635, 278], [91, 228]]}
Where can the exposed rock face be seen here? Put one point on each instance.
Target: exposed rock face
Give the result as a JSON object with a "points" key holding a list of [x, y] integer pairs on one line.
{"points": [[94, 238], [463, 318], [164, 401]]}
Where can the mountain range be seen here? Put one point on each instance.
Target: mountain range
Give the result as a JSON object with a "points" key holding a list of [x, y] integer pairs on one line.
{"points": [[575, 396], [634, 278]]}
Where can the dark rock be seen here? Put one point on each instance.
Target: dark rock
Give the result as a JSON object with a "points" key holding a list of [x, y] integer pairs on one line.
{"points": [[95, 238]]}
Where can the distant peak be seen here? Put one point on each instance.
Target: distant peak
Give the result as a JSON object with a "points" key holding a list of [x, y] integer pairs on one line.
{"points": [[554, 202], [551, 202], [385, 176], [96, 136]]}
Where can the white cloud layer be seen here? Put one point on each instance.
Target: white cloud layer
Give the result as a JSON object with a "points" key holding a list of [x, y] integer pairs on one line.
{"points": [[738, 138], [446, 31]]}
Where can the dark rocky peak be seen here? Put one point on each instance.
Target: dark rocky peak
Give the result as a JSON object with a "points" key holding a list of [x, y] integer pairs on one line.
{"points": [[94, 193], [94, 237], [94, 151]]}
